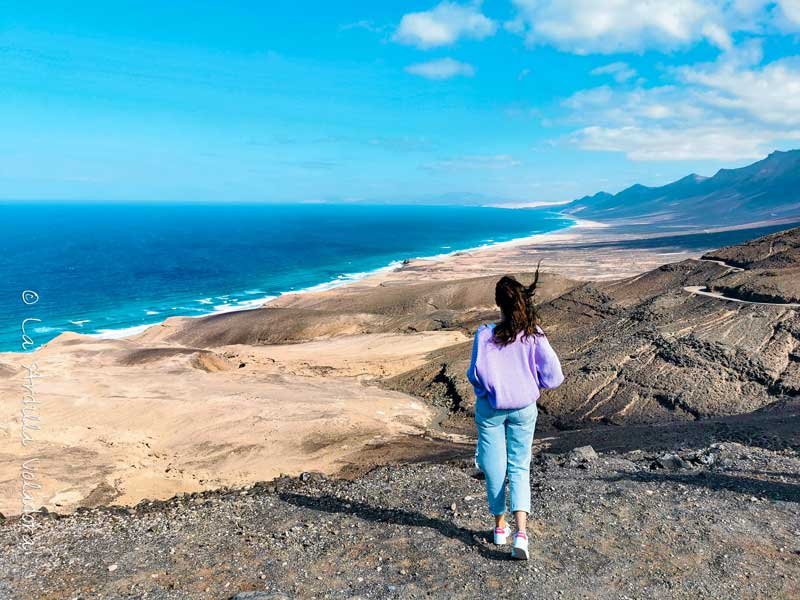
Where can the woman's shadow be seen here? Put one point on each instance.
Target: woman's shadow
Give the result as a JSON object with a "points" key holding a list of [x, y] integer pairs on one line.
{"points": [[397, 516]]}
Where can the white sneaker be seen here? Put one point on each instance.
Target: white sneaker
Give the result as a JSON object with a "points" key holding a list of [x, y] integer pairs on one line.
{"points": [[501, 535], [520, 549]]}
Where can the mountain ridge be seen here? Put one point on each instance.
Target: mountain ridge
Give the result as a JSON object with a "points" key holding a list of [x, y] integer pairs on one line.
{"points": [[764, 190]]}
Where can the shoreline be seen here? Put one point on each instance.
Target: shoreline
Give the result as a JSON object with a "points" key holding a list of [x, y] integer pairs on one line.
{"points": [[586, 251], [353, 279], [579, 231], [344, 280]]}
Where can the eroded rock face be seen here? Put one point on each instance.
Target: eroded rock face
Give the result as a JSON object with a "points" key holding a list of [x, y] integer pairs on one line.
{"points": [[778, 250], [768, 269], [673, 356], [761, 285], [441, 381], [644, 350]]}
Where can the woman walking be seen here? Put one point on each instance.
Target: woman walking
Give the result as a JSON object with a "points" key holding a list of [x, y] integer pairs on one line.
{"points": [[511, 361]]}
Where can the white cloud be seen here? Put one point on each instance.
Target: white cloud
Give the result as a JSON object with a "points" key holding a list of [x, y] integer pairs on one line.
{"points": [[620, 71], [717, 35], [443, 25], [665, 104], [734, 108], [443, 68], [606, 27], [791, 11], [586, 26], [609, 26], [761, 15], [722, 142], [770, 94]]}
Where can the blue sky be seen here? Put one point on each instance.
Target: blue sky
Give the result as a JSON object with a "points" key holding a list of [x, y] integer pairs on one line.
{"points": [[506, 100]]}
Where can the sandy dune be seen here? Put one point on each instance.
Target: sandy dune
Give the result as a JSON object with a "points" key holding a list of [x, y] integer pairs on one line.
{"points": [[122, 421]]}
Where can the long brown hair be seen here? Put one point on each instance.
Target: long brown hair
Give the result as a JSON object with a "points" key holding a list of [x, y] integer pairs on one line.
{"points": [[517, 309]]}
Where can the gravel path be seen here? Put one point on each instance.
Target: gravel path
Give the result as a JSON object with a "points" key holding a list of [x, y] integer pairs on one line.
{"points": [[701, 290]]}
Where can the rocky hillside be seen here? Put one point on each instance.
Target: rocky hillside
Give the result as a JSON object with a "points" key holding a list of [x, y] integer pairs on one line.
{"points": [[779, 250], [768, 269], [649, 349], [765, 190], [715, 521]]}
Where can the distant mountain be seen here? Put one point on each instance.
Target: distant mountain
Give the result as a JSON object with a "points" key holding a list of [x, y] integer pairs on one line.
{"points": [[768, 189]]}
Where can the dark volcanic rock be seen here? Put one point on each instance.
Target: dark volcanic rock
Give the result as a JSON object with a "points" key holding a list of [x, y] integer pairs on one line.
{"points": [[671, 462], [724, 529], [761, 285], [769, 269], [582, 454], [441, 381], [779, 250]]}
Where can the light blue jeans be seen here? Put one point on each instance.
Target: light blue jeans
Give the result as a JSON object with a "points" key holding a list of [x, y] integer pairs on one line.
{"points": [[505, 437]]}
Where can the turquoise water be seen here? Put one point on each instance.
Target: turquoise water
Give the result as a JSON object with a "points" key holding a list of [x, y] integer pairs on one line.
{"points": [[112, 269]]}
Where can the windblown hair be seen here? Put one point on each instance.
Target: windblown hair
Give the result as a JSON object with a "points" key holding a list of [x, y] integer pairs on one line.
{"points": [[517, 309]]}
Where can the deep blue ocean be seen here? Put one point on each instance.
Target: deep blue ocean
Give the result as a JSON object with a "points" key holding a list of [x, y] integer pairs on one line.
{"points": [[111, 268]]}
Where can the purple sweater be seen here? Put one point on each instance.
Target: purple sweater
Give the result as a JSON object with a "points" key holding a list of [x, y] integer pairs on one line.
{"points": [[511, 376]]}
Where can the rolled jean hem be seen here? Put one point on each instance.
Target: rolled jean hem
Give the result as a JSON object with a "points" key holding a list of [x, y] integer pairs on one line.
{"points": [[525, 510]]}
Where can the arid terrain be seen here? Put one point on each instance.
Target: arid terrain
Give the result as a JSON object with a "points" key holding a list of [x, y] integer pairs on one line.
{"points": [[647, 349], [306, 383], [690, 400]]}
